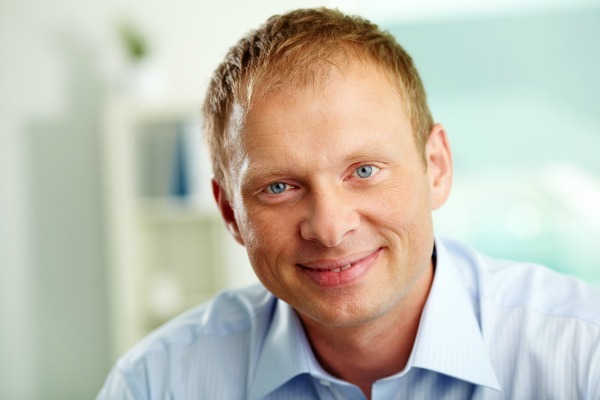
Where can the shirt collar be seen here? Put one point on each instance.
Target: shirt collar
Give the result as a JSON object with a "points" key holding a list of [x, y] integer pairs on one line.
{"points": [[285, 352], [449, 339]]}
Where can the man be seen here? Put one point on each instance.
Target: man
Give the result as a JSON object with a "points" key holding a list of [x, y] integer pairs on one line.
{"points": [[327, 167]]}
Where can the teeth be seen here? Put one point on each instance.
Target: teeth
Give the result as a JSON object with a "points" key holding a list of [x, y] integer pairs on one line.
{"points": [[345, 267]]}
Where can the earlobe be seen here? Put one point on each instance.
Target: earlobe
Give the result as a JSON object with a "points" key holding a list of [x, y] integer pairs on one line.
{"points": [[226, 211], [439, 166]]}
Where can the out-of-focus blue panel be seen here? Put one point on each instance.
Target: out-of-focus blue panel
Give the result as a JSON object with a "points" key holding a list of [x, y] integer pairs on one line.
{"points": [[520, 98]]}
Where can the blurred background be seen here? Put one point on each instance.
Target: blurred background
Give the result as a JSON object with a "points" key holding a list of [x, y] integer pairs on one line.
{"points": [[106, 223]]}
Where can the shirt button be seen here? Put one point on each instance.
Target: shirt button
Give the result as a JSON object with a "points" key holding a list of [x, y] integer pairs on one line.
{"points": [[324, 382]]}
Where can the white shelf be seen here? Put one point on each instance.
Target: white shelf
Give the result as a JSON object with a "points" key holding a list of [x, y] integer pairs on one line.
{"points": [[165, 254], [164, 210]]}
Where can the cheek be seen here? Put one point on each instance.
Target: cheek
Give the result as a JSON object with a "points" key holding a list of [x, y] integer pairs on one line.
{"points": [[401, 214], [266, 231], [270, 243], [401, 201]]}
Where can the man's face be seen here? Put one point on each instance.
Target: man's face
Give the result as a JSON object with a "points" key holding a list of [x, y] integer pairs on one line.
{"points": [[331, 198]]}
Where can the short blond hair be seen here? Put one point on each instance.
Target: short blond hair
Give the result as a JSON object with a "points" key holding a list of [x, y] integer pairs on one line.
{"points": [[299, 48]]}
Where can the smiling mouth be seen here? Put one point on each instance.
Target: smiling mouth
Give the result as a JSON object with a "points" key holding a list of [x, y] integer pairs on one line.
{"points": [[338, 269], [340, 264], [333, 273]]}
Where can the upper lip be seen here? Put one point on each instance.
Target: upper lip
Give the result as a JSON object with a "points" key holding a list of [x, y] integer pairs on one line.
{"points": [[330, 264]]}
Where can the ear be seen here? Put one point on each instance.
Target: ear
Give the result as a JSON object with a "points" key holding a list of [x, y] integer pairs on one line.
{"points": [[439, 166], [226, 211]]}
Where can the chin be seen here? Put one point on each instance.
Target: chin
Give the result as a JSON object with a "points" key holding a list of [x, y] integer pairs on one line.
{"points": [[342, 313]]}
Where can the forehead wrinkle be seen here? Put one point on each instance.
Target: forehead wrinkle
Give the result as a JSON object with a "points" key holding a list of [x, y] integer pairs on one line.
{"points": [[249, 124], [254, 165]]}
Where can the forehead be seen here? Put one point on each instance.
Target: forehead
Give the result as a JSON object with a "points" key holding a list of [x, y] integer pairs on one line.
{"points": [[350, 110], [348, 78]]}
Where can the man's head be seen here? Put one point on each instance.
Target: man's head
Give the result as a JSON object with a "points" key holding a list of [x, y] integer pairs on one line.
{"points": [[298, 49], [319, 171]]}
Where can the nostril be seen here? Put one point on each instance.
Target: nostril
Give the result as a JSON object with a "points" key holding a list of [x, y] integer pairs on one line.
{"points": [[329, 232]]}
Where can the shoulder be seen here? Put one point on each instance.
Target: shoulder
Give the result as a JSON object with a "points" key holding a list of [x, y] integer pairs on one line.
{"points": [[200, 345], [512, 284], [541, 327], [228, 314]]}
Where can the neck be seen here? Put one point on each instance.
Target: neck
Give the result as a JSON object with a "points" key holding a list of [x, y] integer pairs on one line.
{"points": [[380, 348]]}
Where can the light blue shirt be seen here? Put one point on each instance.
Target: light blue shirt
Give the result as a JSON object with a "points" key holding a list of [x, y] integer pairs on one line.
{"points": [[491, 329]]}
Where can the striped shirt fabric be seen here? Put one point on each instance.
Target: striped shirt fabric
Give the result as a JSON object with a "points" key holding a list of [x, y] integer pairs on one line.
{"points": [[491, 329]]}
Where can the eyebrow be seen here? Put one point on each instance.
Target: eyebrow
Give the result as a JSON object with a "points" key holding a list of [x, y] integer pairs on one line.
{"points": [[259, 170], [379, 153], [360, 156]]}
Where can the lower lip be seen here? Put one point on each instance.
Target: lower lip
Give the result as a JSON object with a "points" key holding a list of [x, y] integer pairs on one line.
{"points": [[329, 279]]}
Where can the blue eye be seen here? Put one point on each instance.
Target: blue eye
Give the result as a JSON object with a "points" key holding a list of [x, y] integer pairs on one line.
{"points": [[364, 171], [277, 187]]}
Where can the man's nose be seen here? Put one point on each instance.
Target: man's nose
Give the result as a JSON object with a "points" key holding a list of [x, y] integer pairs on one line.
{"points": [[331, 216]]}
